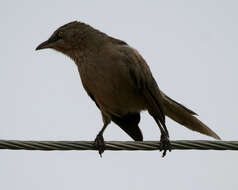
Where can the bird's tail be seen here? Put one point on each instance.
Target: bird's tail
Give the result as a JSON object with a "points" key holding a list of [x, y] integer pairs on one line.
{"points": [[186, 117]]}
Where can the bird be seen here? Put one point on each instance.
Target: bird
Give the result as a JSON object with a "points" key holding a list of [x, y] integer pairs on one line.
{"points": [[118, 79]]}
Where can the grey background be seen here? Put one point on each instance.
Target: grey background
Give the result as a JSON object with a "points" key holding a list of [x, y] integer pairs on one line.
{"points": [[191, 47]]}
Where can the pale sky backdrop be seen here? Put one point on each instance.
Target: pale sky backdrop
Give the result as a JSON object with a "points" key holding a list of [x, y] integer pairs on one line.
{"points": [[191, 47]]}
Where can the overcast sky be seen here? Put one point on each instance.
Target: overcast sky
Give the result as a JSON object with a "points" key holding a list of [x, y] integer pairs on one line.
{"points": [[191, 48]]}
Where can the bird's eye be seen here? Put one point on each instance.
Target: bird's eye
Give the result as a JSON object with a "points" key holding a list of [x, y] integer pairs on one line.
{"points": [[60, 34]]}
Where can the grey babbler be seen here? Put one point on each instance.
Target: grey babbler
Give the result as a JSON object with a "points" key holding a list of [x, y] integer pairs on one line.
{"points": [[120, 82]]}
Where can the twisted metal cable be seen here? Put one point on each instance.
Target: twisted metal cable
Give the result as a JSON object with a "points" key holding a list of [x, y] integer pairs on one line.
{"points": [[117, 145]]}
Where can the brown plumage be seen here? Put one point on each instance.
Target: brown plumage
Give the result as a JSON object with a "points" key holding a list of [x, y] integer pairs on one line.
{"points": [[120, 82]]}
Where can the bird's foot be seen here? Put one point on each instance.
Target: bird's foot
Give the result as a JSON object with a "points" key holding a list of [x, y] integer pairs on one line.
{"points": [[164, 144], [100, 144]]}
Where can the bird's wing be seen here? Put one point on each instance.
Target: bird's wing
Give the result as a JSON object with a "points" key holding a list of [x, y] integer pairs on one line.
{"points": [[144, 82]]}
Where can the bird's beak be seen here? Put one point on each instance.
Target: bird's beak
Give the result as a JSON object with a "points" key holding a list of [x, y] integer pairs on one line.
{"points": [[44, 45]]}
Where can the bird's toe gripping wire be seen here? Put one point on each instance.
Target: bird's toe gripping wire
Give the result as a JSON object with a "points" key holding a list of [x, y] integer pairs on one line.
{"points": [[165, 143]]}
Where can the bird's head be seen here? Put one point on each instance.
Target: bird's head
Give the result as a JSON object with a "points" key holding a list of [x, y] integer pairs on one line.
{"points": [[66, 38]]}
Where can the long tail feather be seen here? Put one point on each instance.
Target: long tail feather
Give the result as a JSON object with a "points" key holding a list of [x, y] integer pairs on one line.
{"points": [[185, 117]]}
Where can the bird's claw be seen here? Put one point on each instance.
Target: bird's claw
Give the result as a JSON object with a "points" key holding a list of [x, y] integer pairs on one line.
{"points": [[164, 144], [99, 144]]}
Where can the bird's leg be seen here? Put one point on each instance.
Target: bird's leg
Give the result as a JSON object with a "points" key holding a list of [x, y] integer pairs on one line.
{"points": [[99, 141], [164, 139]]}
